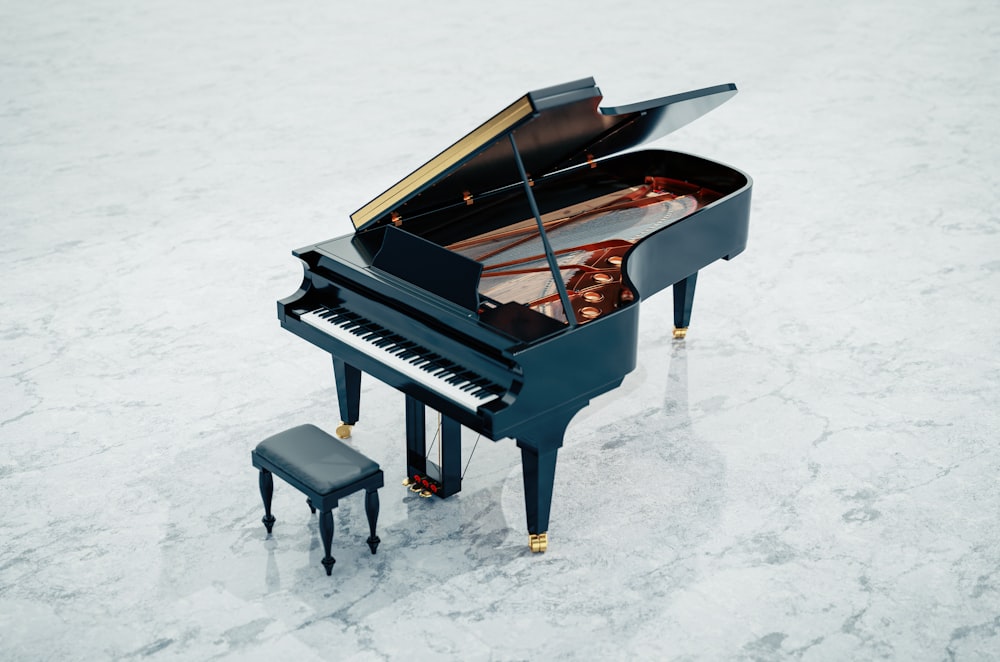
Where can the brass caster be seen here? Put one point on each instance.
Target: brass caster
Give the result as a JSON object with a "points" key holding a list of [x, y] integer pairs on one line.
{"points": [[344, 430], [680, 333], [407, 482], [538, 542], [426, 494]]}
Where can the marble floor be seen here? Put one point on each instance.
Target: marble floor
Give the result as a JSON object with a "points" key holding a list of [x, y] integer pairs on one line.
{"points": [[810, 475]]}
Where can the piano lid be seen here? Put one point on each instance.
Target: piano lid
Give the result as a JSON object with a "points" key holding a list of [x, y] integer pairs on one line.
{"points": [[555, 128]]}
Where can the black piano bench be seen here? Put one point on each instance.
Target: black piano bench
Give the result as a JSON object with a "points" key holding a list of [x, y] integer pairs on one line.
{"points": [[323, 468]]}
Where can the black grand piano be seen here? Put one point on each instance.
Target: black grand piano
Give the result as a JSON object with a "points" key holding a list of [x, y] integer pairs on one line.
{"points": [[499, 283]]}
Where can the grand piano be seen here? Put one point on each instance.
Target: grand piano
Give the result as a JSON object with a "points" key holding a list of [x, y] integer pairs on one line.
{"points": [[499, 283]]}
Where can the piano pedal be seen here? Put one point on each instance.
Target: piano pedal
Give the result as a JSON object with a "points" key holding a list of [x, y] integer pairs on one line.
{"points": [[426, 494], [538, 542], [680, 333], [407, 482], [415, 487], [344, 430]]}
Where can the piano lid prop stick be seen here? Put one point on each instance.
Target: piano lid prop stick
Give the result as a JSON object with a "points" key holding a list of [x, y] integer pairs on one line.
{"points": [[553, 265]]}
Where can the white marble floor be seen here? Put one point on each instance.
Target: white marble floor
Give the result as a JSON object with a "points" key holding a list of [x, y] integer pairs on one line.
{"points": [[811, 475]]}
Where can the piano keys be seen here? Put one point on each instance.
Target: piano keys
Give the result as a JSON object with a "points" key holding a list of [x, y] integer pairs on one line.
{"points": [[499, 284]]}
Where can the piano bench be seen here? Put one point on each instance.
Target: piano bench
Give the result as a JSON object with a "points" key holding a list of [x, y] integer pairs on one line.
{"points": [[323, 468]]}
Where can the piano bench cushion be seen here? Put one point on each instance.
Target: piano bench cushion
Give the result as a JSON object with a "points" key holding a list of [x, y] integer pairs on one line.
{"points": [[316, 459]]}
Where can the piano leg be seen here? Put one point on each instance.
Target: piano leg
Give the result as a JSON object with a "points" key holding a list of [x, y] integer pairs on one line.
{"points": [[683, 300], [348, 380], [538, 465]]}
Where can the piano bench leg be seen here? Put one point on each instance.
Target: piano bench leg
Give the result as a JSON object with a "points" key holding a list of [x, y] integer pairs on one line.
{"points": [[371, 510], [326, 533], [266, 491]]}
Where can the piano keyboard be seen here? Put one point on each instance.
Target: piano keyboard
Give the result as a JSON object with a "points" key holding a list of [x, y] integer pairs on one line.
{"points": [[423, 366]]}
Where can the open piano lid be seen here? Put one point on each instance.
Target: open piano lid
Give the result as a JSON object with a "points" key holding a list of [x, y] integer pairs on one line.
{"points": [[554, 128]]}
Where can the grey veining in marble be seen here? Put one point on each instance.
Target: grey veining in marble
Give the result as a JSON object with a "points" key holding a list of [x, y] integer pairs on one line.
{"points": [[811, 475]]}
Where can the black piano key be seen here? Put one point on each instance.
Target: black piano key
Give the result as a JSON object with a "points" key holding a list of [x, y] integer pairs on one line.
{"points": [[462, 375]]}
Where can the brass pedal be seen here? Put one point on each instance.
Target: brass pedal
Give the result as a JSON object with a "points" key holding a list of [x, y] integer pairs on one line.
{"points": [[426, 494]]}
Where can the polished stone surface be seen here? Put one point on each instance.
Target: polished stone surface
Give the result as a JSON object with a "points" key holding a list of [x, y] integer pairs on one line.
{"points": [[811, 475]]}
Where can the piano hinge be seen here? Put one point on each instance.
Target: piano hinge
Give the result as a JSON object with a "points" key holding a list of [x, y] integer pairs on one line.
{"points": [[591, 161], [531, 182], [467, 196], [397, 220]]}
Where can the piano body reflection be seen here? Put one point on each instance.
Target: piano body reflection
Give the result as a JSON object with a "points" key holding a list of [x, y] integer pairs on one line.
{"points": [[499, 283]]}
